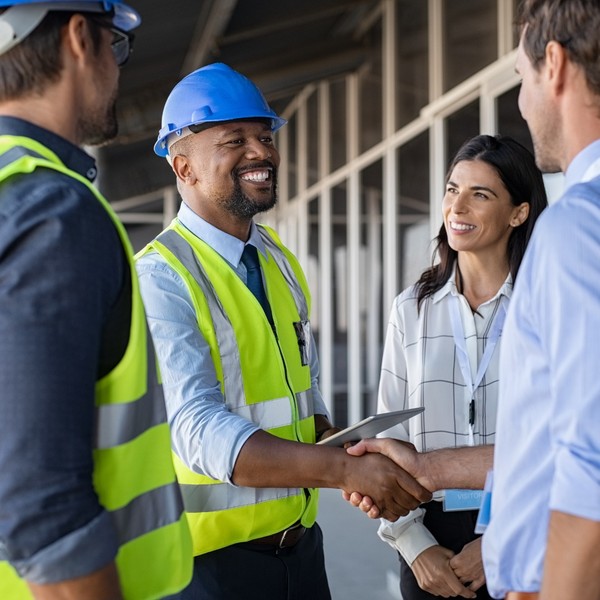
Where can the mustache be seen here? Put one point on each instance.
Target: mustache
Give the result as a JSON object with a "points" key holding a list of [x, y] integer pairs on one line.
{"points": [[263, 164]]}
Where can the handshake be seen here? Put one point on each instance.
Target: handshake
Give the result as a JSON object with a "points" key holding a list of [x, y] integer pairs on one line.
{"points": [[417, 475]]}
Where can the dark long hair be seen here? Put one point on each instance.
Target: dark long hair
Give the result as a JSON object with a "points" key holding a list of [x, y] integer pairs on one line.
{"points": [[516, 168]]}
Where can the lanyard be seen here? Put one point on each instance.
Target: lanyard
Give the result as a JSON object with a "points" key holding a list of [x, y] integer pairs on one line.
{"points": [[463, 357]]}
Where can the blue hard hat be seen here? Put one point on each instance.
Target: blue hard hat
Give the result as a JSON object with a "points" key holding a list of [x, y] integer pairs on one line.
{"points": [[212, 94], [23, 16]]}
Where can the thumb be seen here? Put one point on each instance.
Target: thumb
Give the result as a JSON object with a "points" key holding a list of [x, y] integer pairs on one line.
{"points": [[446, 552], [357, 449]]}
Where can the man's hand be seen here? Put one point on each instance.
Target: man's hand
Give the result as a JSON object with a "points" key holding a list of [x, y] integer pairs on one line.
{"points": [[391, 489], [99, 585], [268, 461], [324, 428], [402, 453], [435, 575], [464, 467], [468, 565]]}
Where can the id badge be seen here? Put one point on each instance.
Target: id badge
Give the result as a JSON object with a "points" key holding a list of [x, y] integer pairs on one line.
{"points": [[485, 511], [302, 329], [462, 500]]}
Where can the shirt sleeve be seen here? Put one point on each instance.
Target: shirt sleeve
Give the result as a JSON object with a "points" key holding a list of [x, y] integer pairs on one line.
{"points": [[318, 403], [392, 393], [59, 277], [570, 322], [408, 535], [205, 434]]}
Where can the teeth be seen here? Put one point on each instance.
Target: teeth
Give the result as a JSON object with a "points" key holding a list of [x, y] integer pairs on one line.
{"points": [[258, 176], [461, 226]]}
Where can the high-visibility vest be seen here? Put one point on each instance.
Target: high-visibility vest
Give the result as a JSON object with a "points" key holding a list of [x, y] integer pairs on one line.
{"points": [[133, 469], [262, 377]]}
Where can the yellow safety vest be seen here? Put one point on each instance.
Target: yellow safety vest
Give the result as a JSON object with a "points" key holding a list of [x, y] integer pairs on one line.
{"points": [[133, 471], [262, 379]]}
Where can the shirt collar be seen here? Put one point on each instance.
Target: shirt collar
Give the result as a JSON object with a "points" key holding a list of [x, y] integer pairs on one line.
{"points": [[577, 171], [450, 288], [228, 246], [72, 156]]}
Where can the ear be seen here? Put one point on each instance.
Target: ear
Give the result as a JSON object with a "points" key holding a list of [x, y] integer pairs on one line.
{"points": [[555, 65], [183, 169], [76, 38], [520, 214]]}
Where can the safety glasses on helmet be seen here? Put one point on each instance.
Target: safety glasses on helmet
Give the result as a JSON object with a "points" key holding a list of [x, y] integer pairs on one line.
{"points": [[121, 44]]}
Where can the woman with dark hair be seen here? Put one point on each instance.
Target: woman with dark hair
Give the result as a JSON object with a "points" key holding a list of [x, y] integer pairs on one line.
{"points": [[441, 352]]}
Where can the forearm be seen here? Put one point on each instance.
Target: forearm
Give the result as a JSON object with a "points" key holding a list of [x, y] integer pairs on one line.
{"points": [[455, 467], [572, 567], [268, 461], [100, 585]]}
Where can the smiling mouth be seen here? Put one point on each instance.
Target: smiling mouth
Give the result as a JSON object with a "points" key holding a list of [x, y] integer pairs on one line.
{"points": [[461, 226], [256, 175]]}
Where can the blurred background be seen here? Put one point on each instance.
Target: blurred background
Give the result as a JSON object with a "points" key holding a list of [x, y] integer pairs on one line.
{"points": [[379, 95]]}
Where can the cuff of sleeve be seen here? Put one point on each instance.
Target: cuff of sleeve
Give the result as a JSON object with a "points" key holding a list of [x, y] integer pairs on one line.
{"points": [[242, 437], [319, 407], [79, 553], [409, 538], [576, 471]]}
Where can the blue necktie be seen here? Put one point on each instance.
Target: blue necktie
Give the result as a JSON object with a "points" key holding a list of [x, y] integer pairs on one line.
{"points": [[254, 279]]}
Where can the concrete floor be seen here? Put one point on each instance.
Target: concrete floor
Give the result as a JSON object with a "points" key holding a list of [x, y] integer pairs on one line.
{"points": [[359, 565]]}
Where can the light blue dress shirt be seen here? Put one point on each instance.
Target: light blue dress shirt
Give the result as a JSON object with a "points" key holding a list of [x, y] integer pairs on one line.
{"points": [[205, 435], [547, 454]]}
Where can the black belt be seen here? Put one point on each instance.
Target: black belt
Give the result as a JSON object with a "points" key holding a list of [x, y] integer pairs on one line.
{"points": [[284, 539]]}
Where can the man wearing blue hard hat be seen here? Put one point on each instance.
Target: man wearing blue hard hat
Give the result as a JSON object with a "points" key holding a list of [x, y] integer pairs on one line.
{"points": [[228, 307], [89, 504]]}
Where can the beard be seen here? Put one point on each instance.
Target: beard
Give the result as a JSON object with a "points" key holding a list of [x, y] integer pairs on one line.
{"points": [[547, 141], [99, 126], [242, 206], [544, 161]]}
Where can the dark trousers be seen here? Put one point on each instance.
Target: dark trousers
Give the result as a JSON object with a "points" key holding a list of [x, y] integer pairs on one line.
{"points": [[452, 530], [257, 572]]}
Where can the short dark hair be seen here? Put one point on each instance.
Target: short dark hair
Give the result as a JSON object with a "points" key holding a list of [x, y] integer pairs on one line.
{"points": [[516, 168], [575, 24], [36, 62]]}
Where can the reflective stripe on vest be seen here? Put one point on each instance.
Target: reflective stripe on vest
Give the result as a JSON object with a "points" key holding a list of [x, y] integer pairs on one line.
{"points": [[133, 473], [221, 514], [117, 424]]}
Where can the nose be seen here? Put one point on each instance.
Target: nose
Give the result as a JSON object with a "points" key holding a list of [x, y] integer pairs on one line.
{"points": [[257, 150], [459, 203]]}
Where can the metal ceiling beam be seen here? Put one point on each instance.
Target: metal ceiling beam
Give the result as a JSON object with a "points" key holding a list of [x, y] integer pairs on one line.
{"points": [[295, 21], [211, 24], [279, 81]]}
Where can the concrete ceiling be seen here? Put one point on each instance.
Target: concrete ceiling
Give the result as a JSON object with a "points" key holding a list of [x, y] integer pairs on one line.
{"points": [[279, 44]]}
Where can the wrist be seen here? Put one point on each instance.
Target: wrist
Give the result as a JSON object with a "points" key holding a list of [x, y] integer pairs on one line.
{"points": [[423, 471]]}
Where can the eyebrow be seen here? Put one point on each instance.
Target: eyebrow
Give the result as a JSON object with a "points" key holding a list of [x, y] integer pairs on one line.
{"points": [[475, 188], [242, 130]]}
